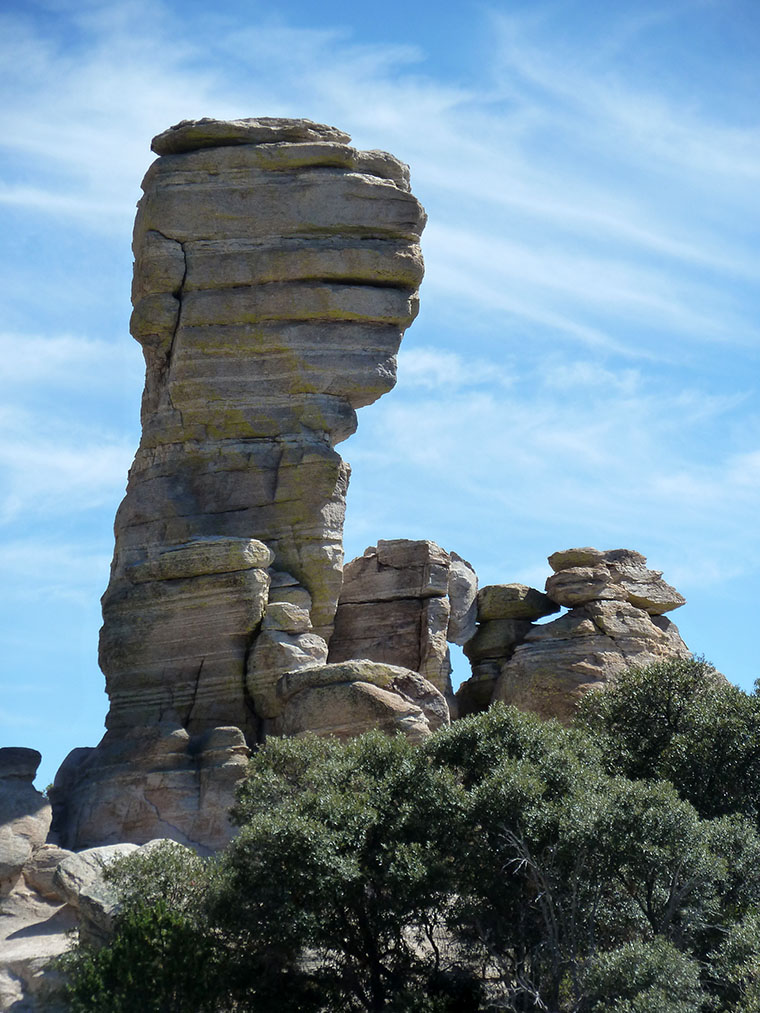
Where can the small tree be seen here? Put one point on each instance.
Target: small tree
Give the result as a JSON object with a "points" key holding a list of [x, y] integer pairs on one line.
{"points": [[683, 722], [163, 957]]}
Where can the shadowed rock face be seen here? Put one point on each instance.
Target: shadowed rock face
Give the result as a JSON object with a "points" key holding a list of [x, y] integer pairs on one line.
{"points": [[24, 812], [276, 269]]}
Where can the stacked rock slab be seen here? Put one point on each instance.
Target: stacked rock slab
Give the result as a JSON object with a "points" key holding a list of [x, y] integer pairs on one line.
{"points": [[505, 616], [276, 268], [400, 604], [615, 622]]}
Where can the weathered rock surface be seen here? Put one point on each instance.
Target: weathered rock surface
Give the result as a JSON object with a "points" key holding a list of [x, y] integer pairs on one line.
{"points": [[513, 601], [39, 871], [61, 894], [351, 697], [615, 624], [79, 878], [276, 268], [178, 632], [583, 575], [33, 918], [25, 813], [148, 781], [400, 603], [34, 929]]}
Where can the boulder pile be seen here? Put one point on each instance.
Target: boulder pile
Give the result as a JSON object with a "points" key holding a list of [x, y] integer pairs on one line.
{"points": [[615, 621]]}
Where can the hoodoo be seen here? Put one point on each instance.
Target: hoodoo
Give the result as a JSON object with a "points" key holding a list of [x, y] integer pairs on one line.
{"points": [[276, 268]]}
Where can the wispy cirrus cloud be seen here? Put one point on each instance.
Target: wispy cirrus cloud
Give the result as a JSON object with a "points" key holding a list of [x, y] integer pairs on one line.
{"points": [[573, 450], [52, 467]]}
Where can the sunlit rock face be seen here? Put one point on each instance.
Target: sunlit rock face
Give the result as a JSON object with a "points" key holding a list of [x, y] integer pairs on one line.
{"points": [[402, 603], [615, 622], [276, 269]]}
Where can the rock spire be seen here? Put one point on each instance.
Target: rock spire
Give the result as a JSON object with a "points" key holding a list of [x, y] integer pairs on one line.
{"points": [[276, 268]]}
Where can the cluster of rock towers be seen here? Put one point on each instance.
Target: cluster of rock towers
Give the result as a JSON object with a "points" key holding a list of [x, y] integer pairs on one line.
{"points": [[276, 269]]}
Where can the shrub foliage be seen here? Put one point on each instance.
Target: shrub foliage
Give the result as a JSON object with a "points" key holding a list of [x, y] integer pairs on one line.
{"points": [[507, 864]]}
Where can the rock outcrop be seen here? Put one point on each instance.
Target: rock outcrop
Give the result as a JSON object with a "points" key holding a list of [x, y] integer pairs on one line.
{"points": [[59, 895], [505, 613], [149, 781], [401, 602], [351, 697], [25, 813], [615, 622], [33, 918], [276, 268]]}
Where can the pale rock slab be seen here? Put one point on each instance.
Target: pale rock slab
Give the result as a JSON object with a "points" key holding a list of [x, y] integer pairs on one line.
{"points": [[190, 135], [79, 878], [39, 871], [34, 930], [274, 653], [348, 698], [463, 600], [578, 585]]}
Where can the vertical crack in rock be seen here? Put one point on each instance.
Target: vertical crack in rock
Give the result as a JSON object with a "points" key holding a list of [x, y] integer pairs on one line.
{"points": [[191, 708], [276, 269], [170, 354]]}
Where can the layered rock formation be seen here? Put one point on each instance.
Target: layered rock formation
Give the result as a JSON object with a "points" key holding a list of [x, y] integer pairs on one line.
{"points": [[615, 622], [401, 602], [276, 269], [505, 613]]}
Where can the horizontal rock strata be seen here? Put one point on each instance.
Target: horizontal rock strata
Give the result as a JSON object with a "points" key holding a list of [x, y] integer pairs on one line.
{"points": [[615, 622], [401, 602], [276, 268]]}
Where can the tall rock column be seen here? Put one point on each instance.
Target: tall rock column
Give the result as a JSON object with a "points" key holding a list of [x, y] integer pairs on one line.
{"points": [[276, 269]]}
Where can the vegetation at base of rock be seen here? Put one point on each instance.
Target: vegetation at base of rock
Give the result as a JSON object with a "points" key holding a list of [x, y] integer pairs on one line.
{"points": [[682, 722], [504, 864]]}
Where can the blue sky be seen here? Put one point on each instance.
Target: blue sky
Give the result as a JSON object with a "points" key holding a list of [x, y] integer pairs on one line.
{"points": [[584, 367]]}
